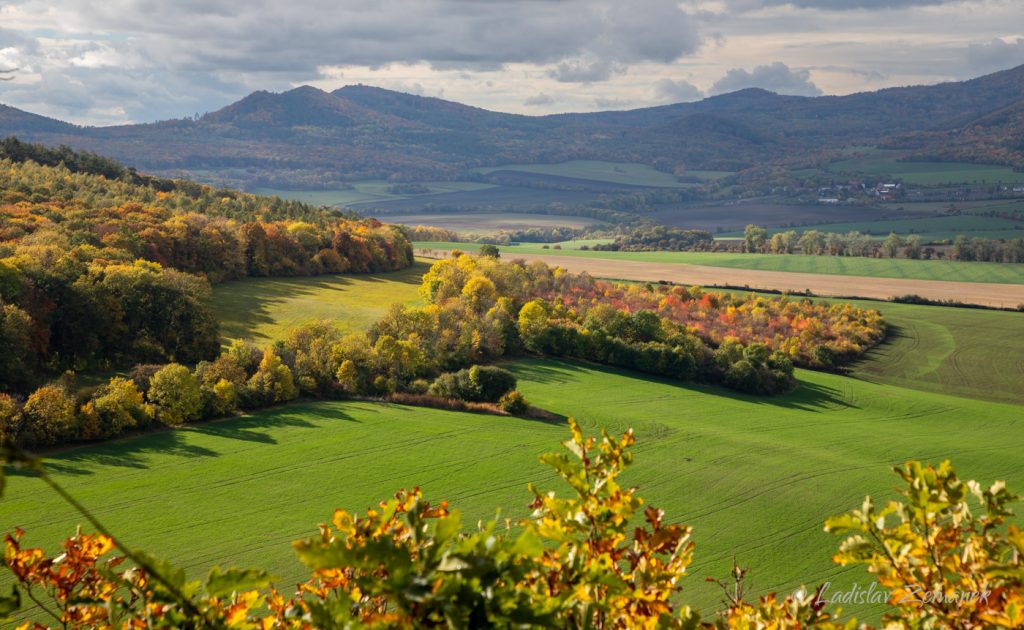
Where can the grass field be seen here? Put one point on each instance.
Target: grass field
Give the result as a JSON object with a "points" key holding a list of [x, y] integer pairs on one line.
{"points": [[265, 309], [925, 173], [614, 172], [366, 191], [755, 476], [964, 352], [928, 228], [950, 270], [488, 223]]}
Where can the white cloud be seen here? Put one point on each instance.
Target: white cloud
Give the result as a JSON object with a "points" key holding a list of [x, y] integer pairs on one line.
{"points": [[776, 77]]}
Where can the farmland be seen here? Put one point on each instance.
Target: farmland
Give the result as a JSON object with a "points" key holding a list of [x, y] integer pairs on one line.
{"points": [[367, 191], [946, 270], [265, 309], [879, 162], [749, 473], [626, 173], [488, 223], [965, 352]]}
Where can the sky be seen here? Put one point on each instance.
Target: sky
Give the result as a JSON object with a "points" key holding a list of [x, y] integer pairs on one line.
{"points": [[122, 61]]}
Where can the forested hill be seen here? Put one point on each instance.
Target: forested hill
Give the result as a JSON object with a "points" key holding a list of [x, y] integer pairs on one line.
{"points": [[307, 137], [102, 268]]}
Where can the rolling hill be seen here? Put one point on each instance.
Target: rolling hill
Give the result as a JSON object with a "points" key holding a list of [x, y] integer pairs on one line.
{"points": [[306, 137]]}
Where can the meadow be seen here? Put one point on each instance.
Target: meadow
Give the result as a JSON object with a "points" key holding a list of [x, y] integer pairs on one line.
{"points": [[879, 162], [755, 476], [950, 270], [627, 173], [265, 309]]}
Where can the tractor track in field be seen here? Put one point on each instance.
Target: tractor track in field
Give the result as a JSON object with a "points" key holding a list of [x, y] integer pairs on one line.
{"points": [[981, 293]]}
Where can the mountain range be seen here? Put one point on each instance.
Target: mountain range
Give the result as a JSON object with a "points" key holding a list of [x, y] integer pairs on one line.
{"points": [[306, 137]]}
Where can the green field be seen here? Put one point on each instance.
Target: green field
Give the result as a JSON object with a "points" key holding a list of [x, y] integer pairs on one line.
{"points": [[366, 191], [925, 173], [613, 172], [929, 229], [964, 352], [489, 222], [950, 270], [1007, 206], [265, 309], [755, 476]]}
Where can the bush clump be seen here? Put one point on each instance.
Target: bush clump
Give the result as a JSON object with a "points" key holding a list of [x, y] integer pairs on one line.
{"points": [[480, 383]]}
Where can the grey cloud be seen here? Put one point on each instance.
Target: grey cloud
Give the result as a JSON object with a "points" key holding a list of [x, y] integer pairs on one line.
{"points": [[841, 5], [680, 91], [612, 103], [274, 45], [585, 71], [538, 100], [996, 54], [776, 77]]}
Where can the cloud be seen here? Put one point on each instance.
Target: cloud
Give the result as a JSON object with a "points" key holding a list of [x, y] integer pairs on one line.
{"points": [[841, 5], [539, 100], [585, 71], [776, 77], [276, 45], [670, 91], [605, 103], [997, 54]]}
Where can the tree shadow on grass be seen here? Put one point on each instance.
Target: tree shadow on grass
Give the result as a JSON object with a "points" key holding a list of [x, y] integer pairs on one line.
{"points": [[245, 305], [136, 451], [876, 359], [251, 428], [806, 397], [133, 452]]}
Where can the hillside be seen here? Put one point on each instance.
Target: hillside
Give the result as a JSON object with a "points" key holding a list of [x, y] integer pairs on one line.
{"points": [[306, 137]]}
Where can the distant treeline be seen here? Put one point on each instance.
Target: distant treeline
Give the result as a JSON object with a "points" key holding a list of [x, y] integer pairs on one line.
{"points": [[756, 239], [659, 238], [99, 269], [813, 242]]}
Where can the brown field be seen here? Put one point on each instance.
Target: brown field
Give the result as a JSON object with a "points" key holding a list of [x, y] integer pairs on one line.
{"points": [[987, 294]]}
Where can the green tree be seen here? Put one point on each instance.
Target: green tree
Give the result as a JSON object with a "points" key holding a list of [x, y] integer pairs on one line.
{"points": [[913, 248], [490, 251], [754, 238], [175, 392], [891, 245]]}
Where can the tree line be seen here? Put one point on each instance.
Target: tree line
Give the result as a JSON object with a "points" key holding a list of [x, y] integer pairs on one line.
{"points": [[815, 243]]}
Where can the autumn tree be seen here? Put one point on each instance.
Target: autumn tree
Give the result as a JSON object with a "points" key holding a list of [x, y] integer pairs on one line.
{"points": [[175, 393], [272, 382]]}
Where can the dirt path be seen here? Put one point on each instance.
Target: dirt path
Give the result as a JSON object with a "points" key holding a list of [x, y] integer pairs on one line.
{"points": [[988, 294]]}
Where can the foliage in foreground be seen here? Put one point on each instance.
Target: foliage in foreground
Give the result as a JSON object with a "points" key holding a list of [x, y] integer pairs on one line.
{"points": [[595, 557]]}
